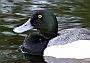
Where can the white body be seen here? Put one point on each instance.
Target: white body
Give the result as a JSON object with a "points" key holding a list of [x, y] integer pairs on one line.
{"points": [[79, 49]]}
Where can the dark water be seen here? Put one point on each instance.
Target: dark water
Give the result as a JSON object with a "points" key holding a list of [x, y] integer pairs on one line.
{"points": [[70, 14]]}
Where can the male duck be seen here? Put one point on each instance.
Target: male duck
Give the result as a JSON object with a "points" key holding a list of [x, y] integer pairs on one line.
{"points": [[72, 43]]}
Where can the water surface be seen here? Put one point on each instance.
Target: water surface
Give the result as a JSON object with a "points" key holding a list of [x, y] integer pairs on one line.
{"points": [[70, 14]]}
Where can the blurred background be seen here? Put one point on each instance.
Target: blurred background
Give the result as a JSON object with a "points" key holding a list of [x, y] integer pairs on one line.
{"points": [[69, 13]]}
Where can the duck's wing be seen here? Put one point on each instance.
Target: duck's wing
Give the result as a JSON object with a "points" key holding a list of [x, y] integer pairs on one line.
{"points": [[69, 36]]}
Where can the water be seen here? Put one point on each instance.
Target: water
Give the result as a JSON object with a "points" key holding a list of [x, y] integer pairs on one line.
{"points": [[70, 14]]}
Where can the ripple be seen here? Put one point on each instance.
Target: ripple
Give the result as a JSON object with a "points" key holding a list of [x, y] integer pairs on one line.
{"points": [[11, 34], [8, 26], [8, 33]]}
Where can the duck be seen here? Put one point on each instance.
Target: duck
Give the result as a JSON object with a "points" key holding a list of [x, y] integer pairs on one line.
{"points": [[47, 41]]}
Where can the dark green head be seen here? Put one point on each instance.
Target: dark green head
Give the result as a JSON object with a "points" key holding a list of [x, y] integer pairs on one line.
{"points": [[42, 20]]}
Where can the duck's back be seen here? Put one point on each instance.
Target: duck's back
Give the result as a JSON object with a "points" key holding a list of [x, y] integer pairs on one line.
{"points": [[70, 35]]}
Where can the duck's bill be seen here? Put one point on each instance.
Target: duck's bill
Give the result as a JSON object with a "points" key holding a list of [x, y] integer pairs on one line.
{"points": [[26, 26]]}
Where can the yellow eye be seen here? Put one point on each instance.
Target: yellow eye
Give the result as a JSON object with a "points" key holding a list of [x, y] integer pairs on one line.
{"points": [[39, 16]]}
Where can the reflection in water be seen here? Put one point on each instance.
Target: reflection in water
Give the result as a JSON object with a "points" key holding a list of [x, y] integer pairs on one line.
{"points": [[70, 14], [35, 58]]}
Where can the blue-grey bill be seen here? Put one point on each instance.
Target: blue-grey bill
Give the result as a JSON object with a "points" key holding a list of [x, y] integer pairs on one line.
{"points": [[26, 26]]}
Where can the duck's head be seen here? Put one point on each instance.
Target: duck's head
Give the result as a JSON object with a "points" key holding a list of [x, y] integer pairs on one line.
{"points": [[42, 20]]}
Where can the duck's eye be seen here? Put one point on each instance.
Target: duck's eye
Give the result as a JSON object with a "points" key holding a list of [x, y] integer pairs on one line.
{"points": [[39, 16]]}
